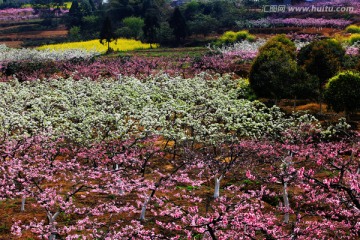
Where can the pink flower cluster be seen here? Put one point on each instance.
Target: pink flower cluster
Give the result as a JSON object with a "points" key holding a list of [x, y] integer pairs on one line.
{"points": [[17, 14], [23, 14], [352, 51], [135, 66], [300, 187]]}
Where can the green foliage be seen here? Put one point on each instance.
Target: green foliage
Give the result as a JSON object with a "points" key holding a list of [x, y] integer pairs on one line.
{"points": [[192, 8], [342, 92], [353, 29], [280, 42], [74, 34], [133, 26], [75, 15], [164, 34], [151, 25], [90, 27], [232, 37], [86, 8], [244, 90], [178, 23], [49, 22], [322, 59], [188, 188], [305, 86], [351, 62], [274, 71], [107, 34], [354, 38], [119, 9], [124, 32], [203, 24], [4, 228]]}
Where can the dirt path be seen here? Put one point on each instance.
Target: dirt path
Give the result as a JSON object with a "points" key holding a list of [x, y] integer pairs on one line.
{"points": [[16, 39]]}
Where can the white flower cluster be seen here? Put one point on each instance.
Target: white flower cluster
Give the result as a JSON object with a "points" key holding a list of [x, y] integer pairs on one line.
{"points": [[14, 54], [197, 109], [243, 48], [248, 50]]}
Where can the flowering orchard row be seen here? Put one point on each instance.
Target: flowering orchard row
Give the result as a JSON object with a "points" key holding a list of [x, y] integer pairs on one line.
{"points": [[17, 14], [24, 14], [170, 158], [295, 22], [26, 64], [139, 67], [8, 54], [154, 187], [200, 108]]}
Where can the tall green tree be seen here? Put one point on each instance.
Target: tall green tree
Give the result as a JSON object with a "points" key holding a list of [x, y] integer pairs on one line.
{"points": [[342, 92], [322, 59], [151, 25], [274, 72], [107, 34], [178, 23], [203, 24], [120, 9], [74, 17], [135, 26]]}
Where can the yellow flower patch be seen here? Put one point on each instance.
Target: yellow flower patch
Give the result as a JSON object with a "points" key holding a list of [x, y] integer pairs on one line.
{"points": [[120, 44]]}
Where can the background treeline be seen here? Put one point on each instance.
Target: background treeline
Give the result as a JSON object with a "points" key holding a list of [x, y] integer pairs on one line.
{"points": [[163, 21], [158, 21]]}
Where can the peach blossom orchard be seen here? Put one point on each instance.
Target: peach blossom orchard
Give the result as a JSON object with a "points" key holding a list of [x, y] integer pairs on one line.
{"points": [[99, 147], [172, 158]]}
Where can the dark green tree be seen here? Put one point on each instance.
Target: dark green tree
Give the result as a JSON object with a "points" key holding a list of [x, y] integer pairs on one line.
{"points": [[135, 25], [203, 24], [178, 23], [281, 42], [274, 72], [74, 17], [92, 4], [151, 24], [86, 8], [342, 92], [107, 34], [322, 59], [120, 9], [192, 8]]}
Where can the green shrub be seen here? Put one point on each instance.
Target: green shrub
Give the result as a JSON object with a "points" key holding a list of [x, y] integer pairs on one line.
{"points": [[231, 37], [74, 34], [273, 73], [280, 42], [354, 38], [342, 92], [322, 59], [124, 32], [135, 25], [164, 34], [353, 29]]}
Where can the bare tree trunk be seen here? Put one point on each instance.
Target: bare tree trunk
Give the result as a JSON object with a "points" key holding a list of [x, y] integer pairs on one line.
{"points": [[53, 230], [286, 203], [143, 209], [23, 200], [217, 187]]}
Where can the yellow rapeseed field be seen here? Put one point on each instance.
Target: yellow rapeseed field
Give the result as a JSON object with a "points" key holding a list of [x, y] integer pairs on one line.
{"points": [[120, 44]]}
